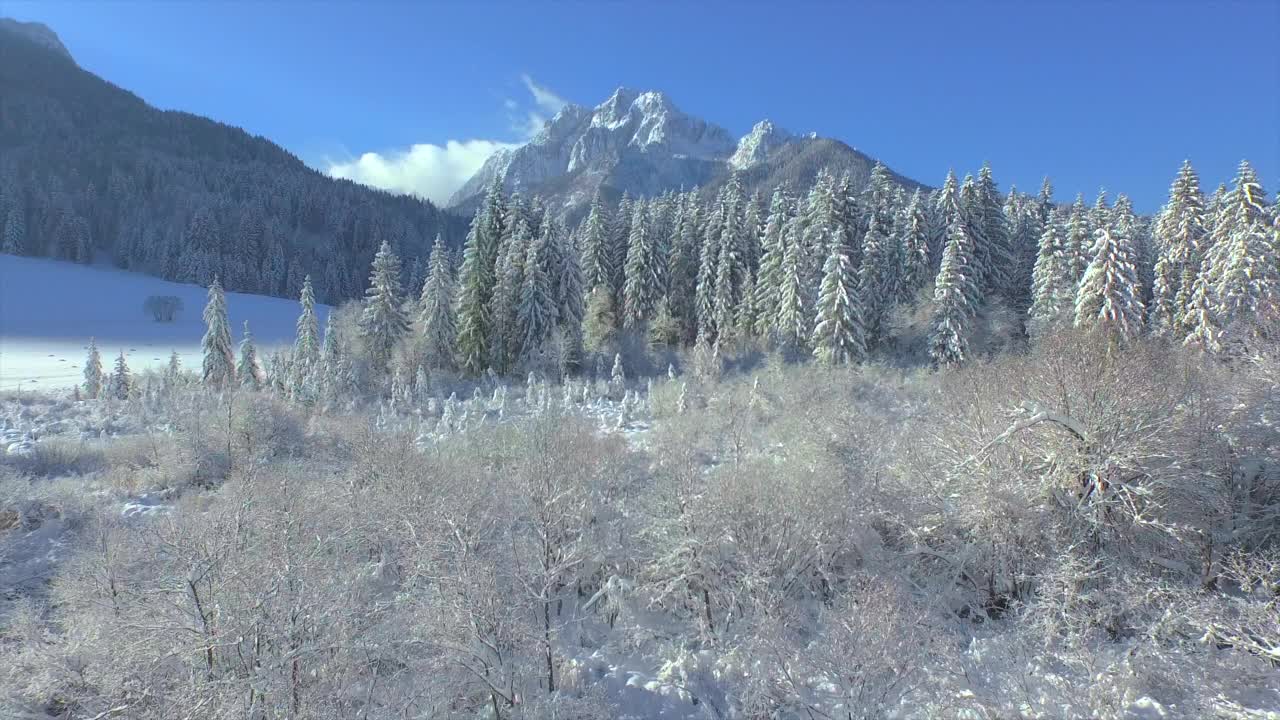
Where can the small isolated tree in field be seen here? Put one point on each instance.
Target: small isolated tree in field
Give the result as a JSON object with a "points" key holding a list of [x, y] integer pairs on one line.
{"points": [[120, 386], [162, 308], [93, 372]]}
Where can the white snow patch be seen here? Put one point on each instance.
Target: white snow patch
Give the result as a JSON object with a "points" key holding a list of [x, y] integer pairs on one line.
{"points": [[49, 310]]}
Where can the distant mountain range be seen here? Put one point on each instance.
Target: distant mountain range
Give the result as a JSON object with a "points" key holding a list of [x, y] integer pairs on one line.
{"points": [[89, 170], [87, 167], [640, 143]]}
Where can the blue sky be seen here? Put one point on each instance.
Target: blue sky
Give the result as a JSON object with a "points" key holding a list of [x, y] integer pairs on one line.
{"points": [[1093, 94]]}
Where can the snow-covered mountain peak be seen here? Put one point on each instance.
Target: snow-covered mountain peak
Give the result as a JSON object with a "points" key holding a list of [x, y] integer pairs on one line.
{"points": [[640, 142], [625, 106], [756, 145], [649, 121]]}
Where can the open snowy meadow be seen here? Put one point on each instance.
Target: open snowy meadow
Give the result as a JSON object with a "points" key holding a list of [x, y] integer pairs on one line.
{"points": [[49, 309]]}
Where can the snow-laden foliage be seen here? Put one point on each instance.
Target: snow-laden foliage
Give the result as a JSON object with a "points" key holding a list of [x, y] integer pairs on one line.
{"points": [[219, 357], [1108, 297], [384, 321], [1065, 532]]}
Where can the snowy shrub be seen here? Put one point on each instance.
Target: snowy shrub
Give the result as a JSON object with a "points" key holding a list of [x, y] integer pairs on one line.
{"points": [[162, 308], [56, 457]]}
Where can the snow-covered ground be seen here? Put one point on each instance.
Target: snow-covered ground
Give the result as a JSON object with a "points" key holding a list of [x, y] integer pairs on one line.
{"points": [[50, 309]]}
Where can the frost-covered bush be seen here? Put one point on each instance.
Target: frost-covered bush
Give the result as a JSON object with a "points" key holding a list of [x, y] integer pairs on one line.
{"points": [[1079, 530], [56, 457], [162, 308]]}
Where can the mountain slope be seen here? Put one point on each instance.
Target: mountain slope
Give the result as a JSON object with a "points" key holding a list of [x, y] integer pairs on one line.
{"points": [[641, 144], [86, 167]]}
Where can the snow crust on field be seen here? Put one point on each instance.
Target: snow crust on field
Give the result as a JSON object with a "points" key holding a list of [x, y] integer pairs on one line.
{"points": [[49, 309]]}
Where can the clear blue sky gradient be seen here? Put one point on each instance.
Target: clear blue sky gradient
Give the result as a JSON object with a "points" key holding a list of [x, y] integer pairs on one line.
{"points": [[1093, 94]]}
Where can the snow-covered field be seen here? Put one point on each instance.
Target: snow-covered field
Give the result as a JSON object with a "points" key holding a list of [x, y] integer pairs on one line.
{"points": [[50, 309]]}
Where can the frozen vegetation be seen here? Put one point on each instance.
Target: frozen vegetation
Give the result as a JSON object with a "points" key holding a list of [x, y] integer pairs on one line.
{"points": [[838, 456], [1069, 532], [810, 442]]}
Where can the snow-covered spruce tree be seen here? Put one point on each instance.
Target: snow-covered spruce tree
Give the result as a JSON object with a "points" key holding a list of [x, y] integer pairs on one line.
{"points": [[173, 375], [825, 223], [1107, 298], [953, 293], [505, 336], [15, 233], [1100, 213], [850, 212], [120, 385], [306, 346], [971, 214], [1125, 223], [249, 370], [994, 245], [1045, 208], [705, 294], [1246, 262], [641, 287], [946, 211], [383, 321], [745, 319], [570, 302], [753, 222], [879, 200], [794, 305], [619, 233], [728, 284], [596, 259], [913, 238], [1181, 241], [219, 356], [663, 214], [839, 333], [536, 314], [326, 380], [1199, 319], [1025, 230], [877, 280], [1079, 243], [93, 372], [435, 309], [731, 264], [476, 283], [769, 277], [1213, 212], [1053, 290], [682, 265]]}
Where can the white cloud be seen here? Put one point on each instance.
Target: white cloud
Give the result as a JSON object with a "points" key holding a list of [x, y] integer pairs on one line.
{"points": [[546, 104], [429, 171], [435, 172], [547, 100]]}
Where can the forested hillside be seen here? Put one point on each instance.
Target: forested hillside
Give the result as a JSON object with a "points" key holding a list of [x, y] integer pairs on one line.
{"points": [[87, 168]]}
